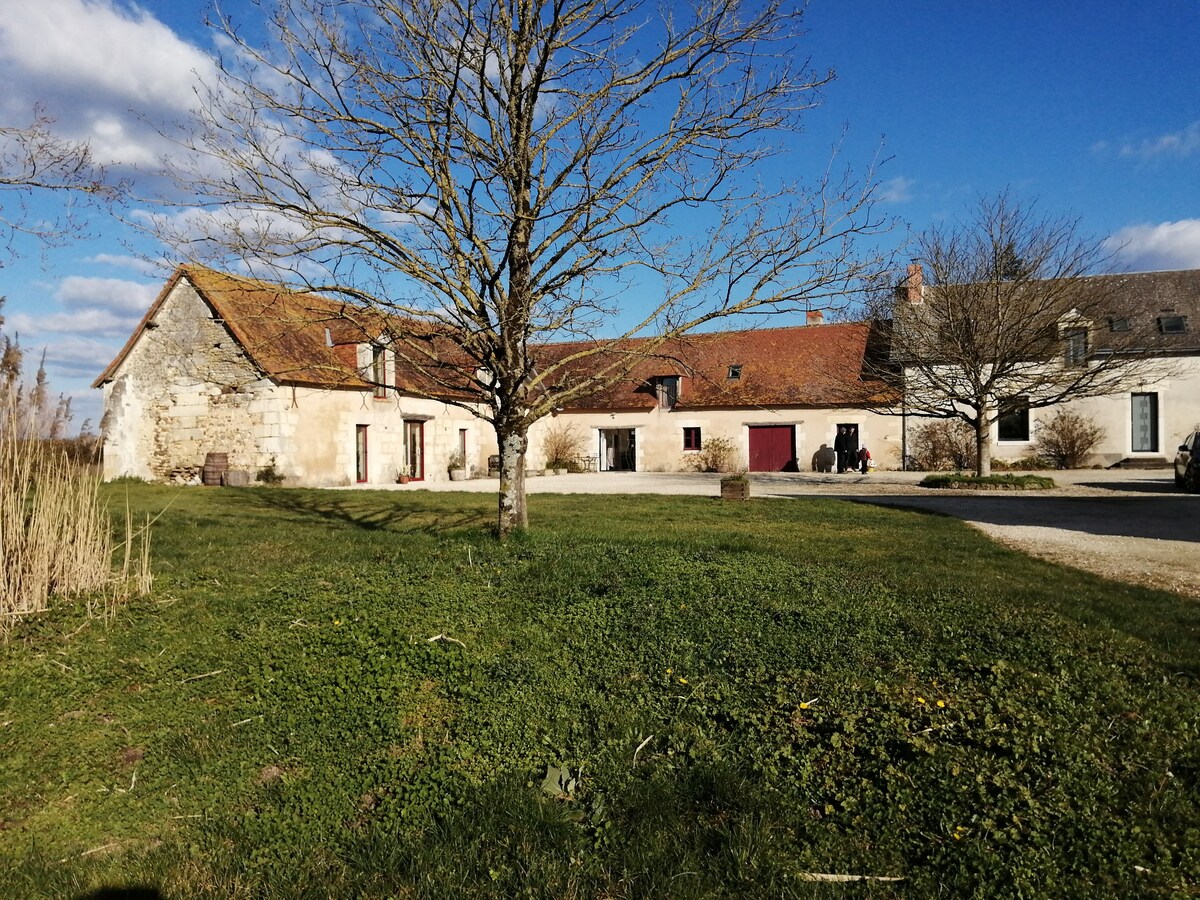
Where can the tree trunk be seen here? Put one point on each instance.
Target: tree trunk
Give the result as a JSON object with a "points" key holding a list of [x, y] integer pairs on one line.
{"points": [[514, 514], [983, 447]]}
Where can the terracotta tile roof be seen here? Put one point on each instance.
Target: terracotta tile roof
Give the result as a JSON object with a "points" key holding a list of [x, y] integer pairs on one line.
{"points": [[288, 334], [806, 366], [282, 332]]}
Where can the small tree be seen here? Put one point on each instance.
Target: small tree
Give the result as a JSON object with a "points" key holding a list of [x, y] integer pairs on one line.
{"points": [[1067, 439], [1011, 320]]}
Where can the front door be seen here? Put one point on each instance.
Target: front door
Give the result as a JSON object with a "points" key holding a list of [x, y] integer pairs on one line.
{"points": [[360, 454], [772, 448], [414, 449], [1145, 423], [618, 450]]}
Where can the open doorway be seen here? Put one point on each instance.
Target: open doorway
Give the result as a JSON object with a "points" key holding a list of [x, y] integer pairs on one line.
{"points": [[618, 450]]}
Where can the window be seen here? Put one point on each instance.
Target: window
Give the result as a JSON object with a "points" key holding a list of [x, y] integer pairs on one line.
{"points": [[1013, 424], [667, 389], [1119, 323], [1172, 324], [1075, 347], [735, 372], [379, 371], [691, 439], [1144, 414]]}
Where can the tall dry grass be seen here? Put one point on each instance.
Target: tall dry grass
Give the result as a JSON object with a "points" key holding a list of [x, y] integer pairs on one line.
{"points": [[56, 535]]}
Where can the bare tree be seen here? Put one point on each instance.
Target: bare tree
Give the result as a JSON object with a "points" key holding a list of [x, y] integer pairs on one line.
{"points": [[35, 160], [508, 173], [1000, 314]]}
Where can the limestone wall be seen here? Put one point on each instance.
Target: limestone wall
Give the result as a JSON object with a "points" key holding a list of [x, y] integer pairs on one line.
{"points": [[185, 389]]}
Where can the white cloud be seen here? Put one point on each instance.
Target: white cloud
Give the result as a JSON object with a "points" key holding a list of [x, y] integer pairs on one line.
{"points": [[1179, 144], [103, 69], [138, 264], [86, 321], [1167, 245], [897, 190], [78, 292]]}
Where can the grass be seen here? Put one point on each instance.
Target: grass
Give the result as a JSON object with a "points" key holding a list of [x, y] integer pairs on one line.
{"points": [[641, 697]]}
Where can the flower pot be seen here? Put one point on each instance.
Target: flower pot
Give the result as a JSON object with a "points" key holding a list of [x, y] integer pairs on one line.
{"points": [[458, 474], [561, 471], [735, 490]]}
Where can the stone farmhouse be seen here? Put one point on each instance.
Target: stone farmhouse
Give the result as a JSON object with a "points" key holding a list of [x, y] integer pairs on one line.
{"points": [[299, 383], [1143, 420], [304, 386]]}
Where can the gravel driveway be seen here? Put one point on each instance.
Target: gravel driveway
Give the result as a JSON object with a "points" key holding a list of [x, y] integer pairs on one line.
{"points": [[1130, 525]]}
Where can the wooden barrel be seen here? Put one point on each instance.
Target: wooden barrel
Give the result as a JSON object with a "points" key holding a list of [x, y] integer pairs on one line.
{"points": [[215, 467]]}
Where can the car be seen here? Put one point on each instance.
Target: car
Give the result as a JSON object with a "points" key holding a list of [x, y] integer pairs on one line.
{"points": [[1186, 462]]}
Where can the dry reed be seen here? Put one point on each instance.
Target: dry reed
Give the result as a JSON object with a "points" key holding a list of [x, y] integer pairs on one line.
{"points": [[56, 537]]}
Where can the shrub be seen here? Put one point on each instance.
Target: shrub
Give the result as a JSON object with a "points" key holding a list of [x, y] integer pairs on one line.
{"points": [[959, 481], [268, 474], [1024, 464], [716, 454], [945, 444], [562, 443], [1067, 439]]}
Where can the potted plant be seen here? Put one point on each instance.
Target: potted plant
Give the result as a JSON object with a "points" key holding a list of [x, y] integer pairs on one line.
{"points": [[457, 466], [735, 486]]}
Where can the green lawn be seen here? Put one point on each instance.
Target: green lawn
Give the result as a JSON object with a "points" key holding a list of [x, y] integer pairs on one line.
{"points": [[642, 697]]}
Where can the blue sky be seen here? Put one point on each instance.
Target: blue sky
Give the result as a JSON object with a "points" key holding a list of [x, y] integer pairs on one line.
{"points": [[1091, 109]]}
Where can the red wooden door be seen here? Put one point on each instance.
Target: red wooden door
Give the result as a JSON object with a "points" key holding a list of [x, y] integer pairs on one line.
{"points": [[772, 448]]}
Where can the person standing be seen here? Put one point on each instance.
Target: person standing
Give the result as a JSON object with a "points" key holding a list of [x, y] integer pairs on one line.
{"points": [[851, 447], [839, 448]]}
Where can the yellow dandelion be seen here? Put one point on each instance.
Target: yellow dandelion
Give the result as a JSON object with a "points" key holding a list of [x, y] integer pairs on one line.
{"points": [[337, 621], [804, 706], [669, 671], [921, 700], [683, 680], [941, 704]]}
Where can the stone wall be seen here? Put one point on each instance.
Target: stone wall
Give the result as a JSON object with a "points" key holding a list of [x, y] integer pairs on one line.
{"points": [[184, 390]]}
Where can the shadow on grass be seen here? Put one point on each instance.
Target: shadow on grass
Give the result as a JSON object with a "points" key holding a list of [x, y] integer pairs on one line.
{"points": [[123, 893], [370, 512], [1162, 620]]}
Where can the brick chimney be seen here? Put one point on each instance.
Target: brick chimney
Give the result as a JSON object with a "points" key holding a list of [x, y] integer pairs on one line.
{"points": [[815, 317], [914, 284]]}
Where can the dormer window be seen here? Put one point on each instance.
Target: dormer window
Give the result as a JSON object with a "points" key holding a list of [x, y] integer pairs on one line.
{"points": [[1075, 347], [735, 372], [1172, 324], [666, 388], [378, 372]]}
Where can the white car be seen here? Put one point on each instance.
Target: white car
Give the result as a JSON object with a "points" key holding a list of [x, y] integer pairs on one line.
{"points": [[1186, 460]]}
